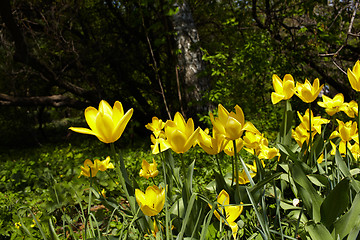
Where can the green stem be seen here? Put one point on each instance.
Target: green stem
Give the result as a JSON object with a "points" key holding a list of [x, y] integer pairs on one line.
{"points": [[236, 168], [310, 139], [121, 177], [358, 119]]}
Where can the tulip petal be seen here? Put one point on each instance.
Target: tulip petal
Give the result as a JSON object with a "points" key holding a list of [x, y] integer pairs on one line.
{"points": [[104, 127], [118, 112], [82, 130], [223, 198], [121, 125], [105, 108], [276, 97], [90, 117]]}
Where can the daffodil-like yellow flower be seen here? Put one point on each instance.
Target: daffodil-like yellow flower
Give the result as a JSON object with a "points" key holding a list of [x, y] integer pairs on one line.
{"points": [[231, 125], [180, 134], [316, 122], [211, 145], [156, 126], [95, 167], [17, 225], [107, 123], [228, 212], [253, 167], [243, 179], [268, 153], [284, 90], [148, 169], [300, 135], [152, 201], [159, 144], [333, 105], [253, 142], [354, 76], [229, 147], [307, 92], [348, 130], [351, 108]]}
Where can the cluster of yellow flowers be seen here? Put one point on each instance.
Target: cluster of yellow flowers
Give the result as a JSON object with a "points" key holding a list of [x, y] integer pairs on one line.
{"points": [[308, 93], [230, 134]]}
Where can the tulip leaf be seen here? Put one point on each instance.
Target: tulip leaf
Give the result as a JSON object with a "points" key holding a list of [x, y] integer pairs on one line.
{"points": [[285, 150], [284, 136], [312, 200], [335, 203], [263, 182], [341, 164], [318, 231], [187, 216], [350, 220]]}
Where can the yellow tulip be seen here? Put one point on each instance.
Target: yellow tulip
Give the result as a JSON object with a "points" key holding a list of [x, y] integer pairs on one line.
{"points": [[229, 212], [351, 108], [268, 153], [354, 76], [159, 144], [229, 146], [231, 125], [152, 201], [148, 169], [348, 130], [307, 92], [243, 178], [253, 167], [211, 145], [156, 126], [253, 142], [284, 90], [316, 122], [180, 134], [300, 135], [107, 123], [332, 105], [95, 167]]}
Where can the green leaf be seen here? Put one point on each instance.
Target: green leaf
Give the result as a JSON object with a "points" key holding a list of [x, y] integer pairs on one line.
{"points": [[350, 220], [341, 164], [335, 203], [318, 231], [312, 200]]}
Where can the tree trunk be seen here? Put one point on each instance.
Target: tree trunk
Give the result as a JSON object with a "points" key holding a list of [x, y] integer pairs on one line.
{"points": [[190, 62]]}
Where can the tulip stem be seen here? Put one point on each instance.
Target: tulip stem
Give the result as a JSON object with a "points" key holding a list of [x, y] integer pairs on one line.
{"points": [[310, 138], [236, 168], [358, 122], [121, 177]]}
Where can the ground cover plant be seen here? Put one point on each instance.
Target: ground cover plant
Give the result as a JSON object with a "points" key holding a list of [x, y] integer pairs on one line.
{"points": [[226, 182]]}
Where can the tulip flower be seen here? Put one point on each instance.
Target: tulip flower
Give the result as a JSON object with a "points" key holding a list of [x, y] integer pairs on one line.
{"points": [[253, 167], [253, 142], [243, 178], [95, 167], [148, 169], [268, 153], [159, 144], [300, 135], [351, 108], [316, 122], [180, 134], [347, 131], [284, 90], [107, 123], [156, 126], [334, 105], [229, 147], [228, 212], [354, 76], [307, 92], [231, 125], [152, 201], [211, 145]]}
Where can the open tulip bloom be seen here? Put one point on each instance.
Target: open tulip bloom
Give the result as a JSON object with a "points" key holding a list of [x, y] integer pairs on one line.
{"points": [[180, 134], [152, 201], [307, 92], [148, 169], [229, 212], [284, 90], [332, 105], [107, 123], [232, 124], [95, 167], [354, 76]]}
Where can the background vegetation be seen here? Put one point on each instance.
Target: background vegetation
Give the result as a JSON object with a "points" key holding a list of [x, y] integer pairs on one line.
{"points": [[158, 57]]}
